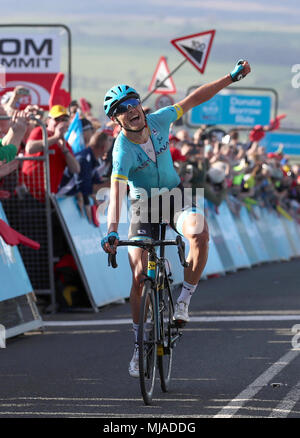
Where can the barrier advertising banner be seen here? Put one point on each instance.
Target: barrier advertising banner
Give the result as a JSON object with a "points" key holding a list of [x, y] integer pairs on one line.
{"points": [[14, 278], [290, 141], [33, 61], [103, 284]]}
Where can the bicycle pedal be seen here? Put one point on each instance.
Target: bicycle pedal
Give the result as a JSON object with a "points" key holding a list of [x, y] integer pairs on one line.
{"points": [[178, 323]]}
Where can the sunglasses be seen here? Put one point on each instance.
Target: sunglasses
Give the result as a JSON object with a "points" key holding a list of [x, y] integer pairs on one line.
{"points": [[62, 119], [123, 107]]}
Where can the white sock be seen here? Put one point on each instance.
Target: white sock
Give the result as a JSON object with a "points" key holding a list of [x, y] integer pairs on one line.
{"points": [[136, 330], [186, 292]]}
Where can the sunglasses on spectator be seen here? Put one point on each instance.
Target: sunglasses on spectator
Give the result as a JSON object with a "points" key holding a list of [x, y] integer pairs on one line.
{"points": [[123, 107], [62, 119]]}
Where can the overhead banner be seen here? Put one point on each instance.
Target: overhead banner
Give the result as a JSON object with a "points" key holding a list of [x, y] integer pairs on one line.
{"points": [[159, 84], [232, 109], [33, 61], [290, 142], [195, 48]]}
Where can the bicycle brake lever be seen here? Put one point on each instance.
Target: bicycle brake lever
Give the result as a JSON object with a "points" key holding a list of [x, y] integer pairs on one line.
{"points": [[112, 260], [181, 252]]}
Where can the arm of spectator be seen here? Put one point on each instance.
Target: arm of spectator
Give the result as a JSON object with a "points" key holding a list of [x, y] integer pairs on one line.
{"points": [[11, 105], [7, 168], [71, 161], [35, 146], [17, 130]]}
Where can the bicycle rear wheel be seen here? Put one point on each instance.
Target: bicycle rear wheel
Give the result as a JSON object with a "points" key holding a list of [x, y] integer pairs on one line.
{"points": [[165, 349], [147, 342]]}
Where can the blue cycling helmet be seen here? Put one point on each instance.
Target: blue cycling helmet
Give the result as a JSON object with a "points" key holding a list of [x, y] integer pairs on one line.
{"points": [[116, 95]]}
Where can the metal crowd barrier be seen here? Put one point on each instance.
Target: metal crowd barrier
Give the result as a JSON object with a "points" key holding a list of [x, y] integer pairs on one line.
{"points": [[32, 217]]}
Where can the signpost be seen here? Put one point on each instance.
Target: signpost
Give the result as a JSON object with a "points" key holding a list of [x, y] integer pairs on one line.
{"points": [[232, 109], [159, 84], [195, 48]]}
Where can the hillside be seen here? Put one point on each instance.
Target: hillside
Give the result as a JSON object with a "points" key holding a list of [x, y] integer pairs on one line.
{"points": [[121, 41]]}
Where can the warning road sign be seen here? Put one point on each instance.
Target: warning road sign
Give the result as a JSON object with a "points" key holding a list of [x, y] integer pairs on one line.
{"points": [[196, 48], [162, 79]]}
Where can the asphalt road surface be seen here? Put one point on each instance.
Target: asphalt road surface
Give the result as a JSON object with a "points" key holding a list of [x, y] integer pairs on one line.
{"points": [[238, 357]]}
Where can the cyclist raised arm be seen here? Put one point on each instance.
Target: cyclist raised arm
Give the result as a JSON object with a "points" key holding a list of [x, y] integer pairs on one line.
{"points": [[142, 158]]}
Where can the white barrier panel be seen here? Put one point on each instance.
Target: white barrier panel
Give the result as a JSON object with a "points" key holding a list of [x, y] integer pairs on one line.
{"points": [[292, 235], [216, 234], [266, 233], [255, 238], [280, 238], [214, 264], [232, 238], [235, 242]]}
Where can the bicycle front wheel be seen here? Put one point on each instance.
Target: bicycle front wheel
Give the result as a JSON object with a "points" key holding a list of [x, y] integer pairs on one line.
{"points": [[147, 343], [165, 349]]}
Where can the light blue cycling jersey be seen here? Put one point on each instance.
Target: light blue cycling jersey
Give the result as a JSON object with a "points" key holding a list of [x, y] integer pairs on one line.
{"points": [[131, 164]]}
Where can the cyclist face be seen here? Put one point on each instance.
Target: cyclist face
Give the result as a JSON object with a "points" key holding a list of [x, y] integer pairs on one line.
{"points": [[130, 114]]}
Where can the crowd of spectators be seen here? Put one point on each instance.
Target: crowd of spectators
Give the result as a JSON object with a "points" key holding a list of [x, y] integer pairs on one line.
{"points": [[227, 167], [21, 136], [239, 171]]}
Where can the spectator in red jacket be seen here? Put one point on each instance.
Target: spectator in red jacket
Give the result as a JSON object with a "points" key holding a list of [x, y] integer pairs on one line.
{"points": [[33, 174]]}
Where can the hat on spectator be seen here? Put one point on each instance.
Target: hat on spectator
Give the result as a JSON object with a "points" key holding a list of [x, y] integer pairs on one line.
{"points": [[58, 111], [86, 124], [177, 155], [217, 172], [173, 137]]}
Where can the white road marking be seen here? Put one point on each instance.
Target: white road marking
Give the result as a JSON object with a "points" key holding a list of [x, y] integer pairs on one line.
{"points": [[228, 318], [245, 396], [283, 409]]}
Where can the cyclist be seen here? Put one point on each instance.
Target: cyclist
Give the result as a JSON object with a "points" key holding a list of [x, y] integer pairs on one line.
{"points": [[142, 159]]}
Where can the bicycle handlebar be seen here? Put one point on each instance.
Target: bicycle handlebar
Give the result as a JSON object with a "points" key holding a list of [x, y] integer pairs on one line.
{"points": [[112, 259]]}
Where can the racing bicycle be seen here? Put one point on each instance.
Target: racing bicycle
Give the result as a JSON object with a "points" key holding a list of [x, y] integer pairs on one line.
{"points": [[158, 332]]}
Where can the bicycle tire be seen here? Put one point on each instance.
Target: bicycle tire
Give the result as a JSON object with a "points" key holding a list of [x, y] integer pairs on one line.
{"points": [[165, 350], [147, 343]]}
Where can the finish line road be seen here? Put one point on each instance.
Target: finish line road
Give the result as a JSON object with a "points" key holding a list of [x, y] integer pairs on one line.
{"points": [[239, 357]]}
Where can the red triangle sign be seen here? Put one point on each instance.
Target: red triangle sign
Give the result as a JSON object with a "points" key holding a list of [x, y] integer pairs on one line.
{"points": [[162, 71], [195, 48]]}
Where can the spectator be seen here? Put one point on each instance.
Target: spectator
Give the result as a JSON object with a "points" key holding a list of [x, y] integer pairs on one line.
{"points": [[88, 130], [175, 149], [4, 124], [183, 135], [62, 156], [11, 100], [93, 166], [10, 143], [72, 110], [196, 173], [199, 136]]}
